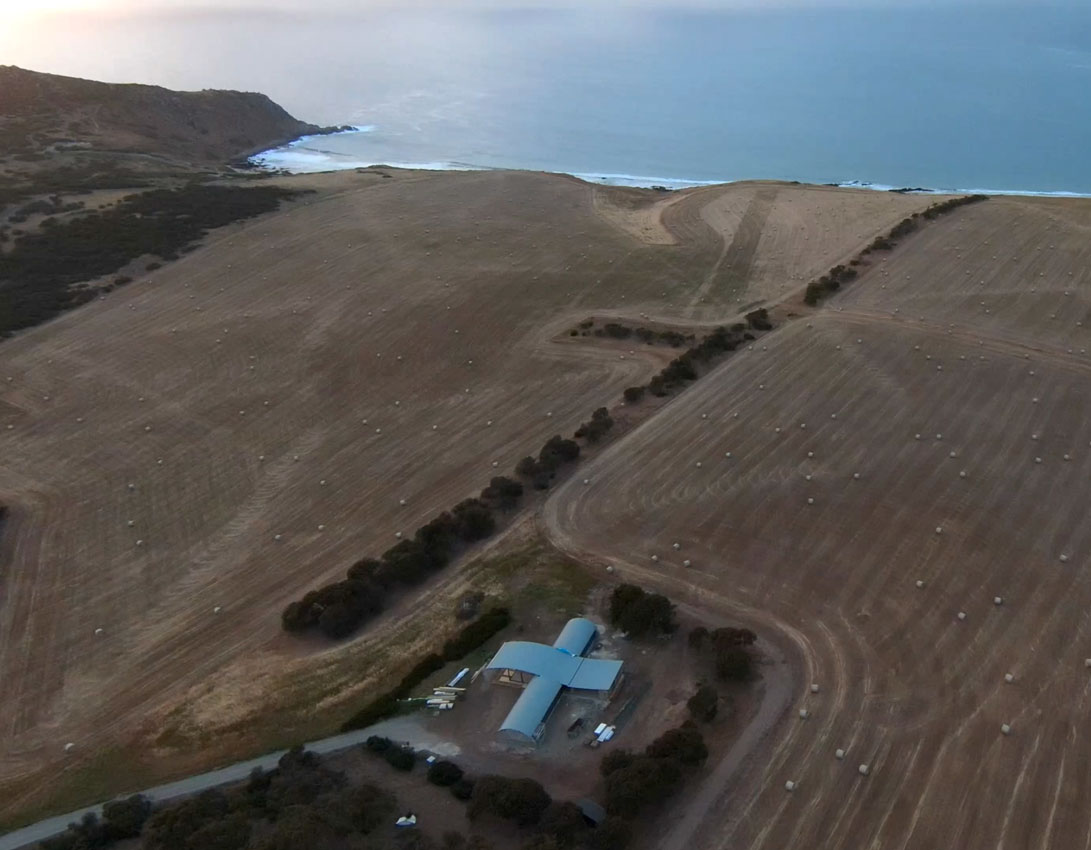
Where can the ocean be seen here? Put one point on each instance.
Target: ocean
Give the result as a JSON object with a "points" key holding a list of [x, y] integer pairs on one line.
{"points": [[944, 95]]}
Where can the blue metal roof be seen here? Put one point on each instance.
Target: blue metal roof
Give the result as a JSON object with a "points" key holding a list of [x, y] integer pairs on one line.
{"points": [[531, 708], [547, 662], [553, 667], [576, 636], [537, 659]]}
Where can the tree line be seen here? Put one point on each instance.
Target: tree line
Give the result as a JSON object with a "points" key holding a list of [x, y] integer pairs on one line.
{"points": [[687, 366], [838, 275], [339, 609]]}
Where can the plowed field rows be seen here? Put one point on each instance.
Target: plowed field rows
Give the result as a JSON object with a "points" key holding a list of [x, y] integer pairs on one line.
{"points": [[297, 376], [972, 447]]}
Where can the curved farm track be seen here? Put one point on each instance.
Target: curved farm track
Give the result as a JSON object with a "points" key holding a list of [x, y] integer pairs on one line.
{"points": [[970, 435], [417, 301]]}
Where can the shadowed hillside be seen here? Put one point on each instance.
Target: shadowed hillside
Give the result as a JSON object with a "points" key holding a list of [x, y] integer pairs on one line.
{"points": [[40, 112]]}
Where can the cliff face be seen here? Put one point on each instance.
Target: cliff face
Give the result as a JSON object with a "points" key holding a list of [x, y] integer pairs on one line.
{"points": [[46, 112]]}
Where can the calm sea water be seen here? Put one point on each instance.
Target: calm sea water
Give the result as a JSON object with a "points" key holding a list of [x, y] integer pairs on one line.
{"points": [[978, 97]]}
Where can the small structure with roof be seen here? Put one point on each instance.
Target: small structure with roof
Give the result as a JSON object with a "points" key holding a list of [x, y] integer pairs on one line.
{"points": [[545, 672]]}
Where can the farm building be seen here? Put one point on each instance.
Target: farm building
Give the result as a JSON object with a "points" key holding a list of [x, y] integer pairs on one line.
{"points": [[545, 672]]}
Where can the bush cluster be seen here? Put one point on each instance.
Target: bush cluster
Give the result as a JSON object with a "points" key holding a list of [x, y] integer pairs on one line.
{"points": [[120, 819], [730, 648], [838, 275], [635, 782], [639, 613], [469, 638], [648, 336], [829, 282], [38, 272], [340, 608], [540, 471], [704, 704], [596, 429], [683, 368]]}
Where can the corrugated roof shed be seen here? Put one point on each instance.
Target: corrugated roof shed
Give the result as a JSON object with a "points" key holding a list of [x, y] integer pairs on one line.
{"points": [[532, 707], [576, 636]]}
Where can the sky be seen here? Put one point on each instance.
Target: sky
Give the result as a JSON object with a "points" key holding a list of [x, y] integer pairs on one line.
{"points": [[28, 8]]}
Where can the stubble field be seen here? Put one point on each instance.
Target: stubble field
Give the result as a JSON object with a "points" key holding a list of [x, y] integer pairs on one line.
{"points": [[971, 436], [201, 384]]}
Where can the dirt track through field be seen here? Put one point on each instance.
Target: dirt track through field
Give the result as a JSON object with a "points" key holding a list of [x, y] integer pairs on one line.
{"points": [[972, 443], [373, 330]]}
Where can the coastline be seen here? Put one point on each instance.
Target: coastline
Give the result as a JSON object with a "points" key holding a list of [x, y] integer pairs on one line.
{"points": [[296, 157]]}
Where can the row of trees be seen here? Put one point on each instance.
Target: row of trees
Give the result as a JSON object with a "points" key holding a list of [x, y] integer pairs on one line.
{"points": [[838, 275], [649, 336], [541, 470], [340, 608], [594, 430], [550, 824], [829, 283], [685, 367], [300, 803]]}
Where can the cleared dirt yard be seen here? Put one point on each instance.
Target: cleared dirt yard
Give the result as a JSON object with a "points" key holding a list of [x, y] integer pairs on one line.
{"points": [[201, 384], [906, 687]]}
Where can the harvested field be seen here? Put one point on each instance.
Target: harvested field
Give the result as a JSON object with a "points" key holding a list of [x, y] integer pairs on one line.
{"points": [[1015, 268], [774, 238], [906, 687], [338, 331]]}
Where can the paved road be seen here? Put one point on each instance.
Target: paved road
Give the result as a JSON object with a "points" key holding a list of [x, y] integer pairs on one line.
{"points": [[234, 773]]}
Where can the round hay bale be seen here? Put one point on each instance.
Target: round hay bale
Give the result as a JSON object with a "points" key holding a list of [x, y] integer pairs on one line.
{"points": [[676, 546], [839, 754], [1005, 729], [139, 542], [586, 481], [217, 609], [998, 600], [939, 529], [1009, 678], [1064, 559], [814, 688], [804, 714], [277, 538], [727, 454], [920, 584], [864, 770], [69, 747], [398, 534], [402, 502], [789, 786], [962, 615], [655, 558], [856, 476], [609, 568], [686, 563], [99, 631], [810, 501]]}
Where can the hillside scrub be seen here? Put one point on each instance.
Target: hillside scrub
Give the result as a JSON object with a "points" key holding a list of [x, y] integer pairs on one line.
{"points": [[838, 275], [38, 273]]}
